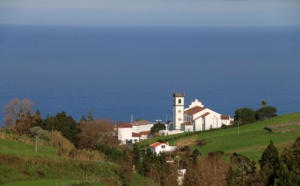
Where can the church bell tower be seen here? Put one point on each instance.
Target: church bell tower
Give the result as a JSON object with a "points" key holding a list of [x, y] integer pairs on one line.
{"points": [[178, 110]]}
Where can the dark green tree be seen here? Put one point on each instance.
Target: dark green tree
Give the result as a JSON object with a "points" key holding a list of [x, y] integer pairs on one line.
{"points": [[289, 174], [63, 123], [90, 115], [157, 127], [242, 171], [244, 116], [269, 163], [266, 113], [136, 156]]}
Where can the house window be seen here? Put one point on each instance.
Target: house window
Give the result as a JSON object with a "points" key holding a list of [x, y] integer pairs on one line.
{"points": [[163, 146], [179, 101]]}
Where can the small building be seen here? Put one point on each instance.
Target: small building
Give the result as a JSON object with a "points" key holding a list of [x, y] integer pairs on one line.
{"points": [[160, 147], [226, 120], [133, 132]]}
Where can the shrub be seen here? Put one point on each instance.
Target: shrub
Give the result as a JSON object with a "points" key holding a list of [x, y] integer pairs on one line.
{"points": [[201, 143], [65, 146], [86, 155]]}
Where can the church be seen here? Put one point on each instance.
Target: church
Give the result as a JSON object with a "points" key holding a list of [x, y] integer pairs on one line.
{"points": [[196, 117]]}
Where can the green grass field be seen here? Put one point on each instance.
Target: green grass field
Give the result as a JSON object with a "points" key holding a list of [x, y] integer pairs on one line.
{"points": [[250, 140], [21, 165]]}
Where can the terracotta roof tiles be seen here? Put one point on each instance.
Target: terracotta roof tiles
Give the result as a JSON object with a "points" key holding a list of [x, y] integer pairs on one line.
{"points": [[194, 110], [225, 117], [124, 125], [141, 122], [156, 144]]}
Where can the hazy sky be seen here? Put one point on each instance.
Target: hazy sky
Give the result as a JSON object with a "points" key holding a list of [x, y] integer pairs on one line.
{"points": [[152, 12]]}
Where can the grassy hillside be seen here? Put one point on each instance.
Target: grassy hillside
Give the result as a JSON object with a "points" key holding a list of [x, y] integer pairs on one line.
{"points": [[21, 165], [19, 162], [250, 140]]}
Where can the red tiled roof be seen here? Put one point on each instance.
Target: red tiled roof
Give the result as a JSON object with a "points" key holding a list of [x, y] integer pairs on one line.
{"points": [[141, 122], [225, 117], [124, 125], [156, 144], [136, 134], [145, 132], [187, 123], [194, 110]]}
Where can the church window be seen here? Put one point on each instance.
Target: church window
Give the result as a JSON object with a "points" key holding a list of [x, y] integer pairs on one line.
{"points": [[179, 101]]}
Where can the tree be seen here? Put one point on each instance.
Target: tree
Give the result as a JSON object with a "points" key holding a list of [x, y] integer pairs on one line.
{"points": [[156, 168], [136, 156], [266, 113], [241, 171], [211, 170], [244, 116], [290, 172], [16, 109], [98, 131], [269, 162], [263, 103], [63, 123], [90, 115], [157, 127]]}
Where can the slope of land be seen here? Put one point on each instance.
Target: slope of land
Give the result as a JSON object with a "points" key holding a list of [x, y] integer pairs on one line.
{"points": [[250, 140], [21, 165]]}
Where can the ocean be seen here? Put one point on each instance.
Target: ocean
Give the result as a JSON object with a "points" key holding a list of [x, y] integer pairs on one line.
{"points": [[120, 72]]}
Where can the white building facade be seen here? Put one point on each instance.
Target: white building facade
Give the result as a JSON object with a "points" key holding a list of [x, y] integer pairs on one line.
{"points": [[134, 132], [161, 147], [196, 117], [178, 111]]}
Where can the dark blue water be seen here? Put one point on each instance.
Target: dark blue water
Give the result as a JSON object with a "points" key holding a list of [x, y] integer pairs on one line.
{"points": [[124, 71]]}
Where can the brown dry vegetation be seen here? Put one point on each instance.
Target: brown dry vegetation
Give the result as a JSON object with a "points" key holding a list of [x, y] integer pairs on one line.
{"points": [[67, 149], [211, 170], [186, 141]]}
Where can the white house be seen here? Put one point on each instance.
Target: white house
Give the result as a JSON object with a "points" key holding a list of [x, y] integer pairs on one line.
{"points": [[196, 117], [159, 147], [141, 126], [133, 132], [226, 120]]}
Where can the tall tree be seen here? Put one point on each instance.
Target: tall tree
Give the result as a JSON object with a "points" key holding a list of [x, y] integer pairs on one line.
{"points": [[241, 171], [136, 156], [90, 115], [15, 110], [269, 163], [290, 159], [263, 103]]}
